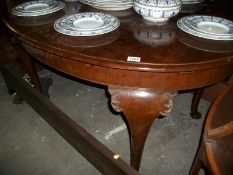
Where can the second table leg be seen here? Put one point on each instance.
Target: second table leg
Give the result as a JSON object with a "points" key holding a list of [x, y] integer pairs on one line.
{"points": [[140, 107], [195, 114]]}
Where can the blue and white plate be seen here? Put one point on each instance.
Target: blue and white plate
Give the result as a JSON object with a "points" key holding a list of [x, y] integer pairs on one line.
{"points": [[115, 5], [209, 27], [86, 24], [37, 8]]}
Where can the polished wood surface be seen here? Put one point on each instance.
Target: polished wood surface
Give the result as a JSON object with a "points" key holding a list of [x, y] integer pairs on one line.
{"points": [[219, 128], [171, 60], [192, 67], [216, 149]]}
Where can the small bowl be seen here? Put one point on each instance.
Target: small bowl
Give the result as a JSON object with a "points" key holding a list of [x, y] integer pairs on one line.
{"points": [[157, 11]]}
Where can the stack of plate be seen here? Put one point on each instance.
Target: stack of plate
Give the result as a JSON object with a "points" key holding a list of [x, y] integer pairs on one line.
{"points": [[86, 24], [37, 8], [109, 4], [208, 27]]}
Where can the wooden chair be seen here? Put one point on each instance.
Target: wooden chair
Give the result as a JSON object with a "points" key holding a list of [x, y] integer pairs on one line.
{"points": [[215, 153]]}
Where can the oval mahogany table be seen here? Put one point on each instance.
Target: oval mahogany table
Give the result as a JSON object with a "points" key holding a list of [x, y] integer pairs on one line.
{"points": [[170, 61]]}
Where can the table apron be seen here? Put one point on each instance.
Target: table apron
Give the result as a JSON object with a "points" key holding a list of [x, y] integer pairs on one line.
{"points": [[132, 78]]}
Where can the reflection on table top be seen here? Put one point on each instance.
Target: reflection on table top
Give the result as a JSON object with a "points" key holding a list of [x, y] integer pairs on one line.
{"points": [[162, 48]]}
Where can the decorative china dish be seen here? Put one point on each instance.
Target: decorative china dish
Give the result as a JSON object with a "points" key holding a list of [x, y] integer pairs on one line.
{"points": [[86, 24], [210, 24], [208, 27], [37, 8], [109, 5], [157, 11]]}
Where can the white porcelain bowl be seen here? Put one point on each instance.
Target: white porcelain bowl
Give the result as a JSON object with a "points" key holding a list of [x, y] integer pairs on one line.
{"points": [[157, 11]]}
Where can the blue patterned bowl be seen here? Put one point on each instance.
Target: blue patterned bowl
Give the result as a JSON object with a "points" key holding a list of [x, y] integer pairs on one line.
{"points": [[157, 11]]}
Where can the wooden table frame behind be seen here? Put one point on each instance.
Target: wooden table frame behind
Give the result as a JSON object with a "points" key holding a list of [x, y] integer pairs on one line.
{"points": [[93, 150]]}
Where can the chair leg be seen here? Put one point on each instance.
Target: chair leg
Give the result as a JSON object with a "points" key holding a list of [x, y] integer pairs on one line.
{"points": [[195, 102], [197, 163]]}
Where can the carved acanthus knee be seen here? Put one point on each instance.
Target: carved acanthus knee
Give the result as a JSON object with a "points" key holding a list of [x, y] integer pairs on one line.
{"points": [[148, 100]]}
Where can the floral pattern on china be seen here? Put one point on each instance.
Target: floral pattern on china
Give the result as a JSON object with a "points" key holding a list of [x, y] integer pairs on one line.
{"points": [[86, 24], [37, 7], [209, 27], [157, 10], [109, 5]]}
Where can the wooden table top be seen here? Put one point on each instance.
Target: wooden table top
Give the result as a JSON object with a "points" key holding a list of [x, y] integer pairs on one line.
{"points": [[162, 48]]}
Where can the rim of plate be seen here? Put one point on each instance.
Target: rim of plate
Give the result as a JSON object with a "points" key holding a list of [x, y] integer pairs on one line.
{"points": [[109, 2], [181, 25], [58, 5], [109, 7], [60, 27], [190, 27], [51, 4], [112, 8], [21, 7], [108, 20], [190, 23]]}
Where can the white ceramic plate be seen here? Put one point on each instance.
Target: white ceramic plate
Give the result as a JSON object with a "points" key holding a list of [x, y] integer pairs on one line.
{"points": [[186, 27], [37, 8], [209, 25], [114, 6], [86, 24], [107, 5], [109, 2], [88, 21], [33, 6]]}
